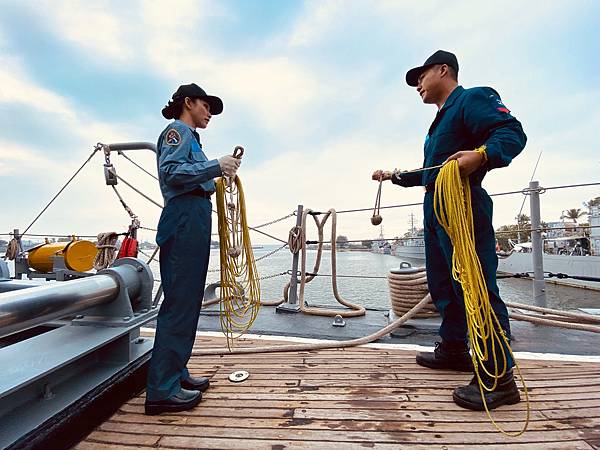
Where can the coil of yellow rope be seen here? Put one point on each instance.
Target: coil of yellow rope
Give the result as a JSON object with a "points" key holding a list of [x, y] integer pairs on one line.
{"points": [[452, 207], [240, 289]]}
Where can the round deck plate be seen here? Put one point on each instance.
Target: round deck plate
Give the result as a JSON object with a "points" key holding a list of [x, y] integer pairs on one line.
{"points": [[238, 376]]}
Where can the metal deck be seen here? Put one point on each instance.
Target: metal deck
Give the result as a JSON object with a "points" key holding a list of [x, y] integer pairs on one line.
{"points": [[526, 337]]}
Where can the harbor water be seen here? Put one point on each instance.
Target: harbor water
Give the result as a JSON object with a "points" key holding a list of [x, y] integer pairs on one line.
{"points": [[373, 292]]}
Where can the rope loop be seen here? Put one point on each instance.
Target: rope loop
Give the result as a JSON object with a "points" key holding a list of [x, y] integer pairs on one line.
{"points": [[107, 248], [354, 310], [12, 249], [295, 239]]}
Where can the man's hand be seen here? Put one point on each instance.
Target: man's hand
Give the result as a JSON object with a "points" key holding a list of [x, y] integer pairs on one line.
{"points": [[381, 174], [229, 165], [468, 161]]}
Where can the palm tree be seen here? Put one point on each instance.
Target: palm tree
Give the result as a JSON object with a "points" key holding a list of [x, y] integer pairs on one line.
{"points": [[523, 219], [592, 202], [573, 214]]}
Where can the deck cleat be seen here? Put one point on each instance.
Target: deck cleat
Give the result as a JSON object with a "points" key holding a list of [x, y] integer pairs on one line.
{"points": [[338, 321]]}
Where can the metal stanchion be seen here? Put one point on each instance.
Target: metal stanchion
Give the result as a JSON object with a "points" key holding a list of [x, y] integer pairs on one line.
{"points": [[539, 284]]}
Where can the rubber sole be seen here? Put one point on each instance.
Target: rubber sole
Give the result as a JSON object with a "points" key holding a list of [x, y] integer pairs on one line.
{"points": [[513, 399], [153, 410]]}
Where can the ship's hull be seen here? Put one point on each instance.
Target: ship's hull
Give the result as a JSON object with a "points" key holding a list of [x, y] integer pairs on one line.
{"points": [[588, 266], [411, 252]]}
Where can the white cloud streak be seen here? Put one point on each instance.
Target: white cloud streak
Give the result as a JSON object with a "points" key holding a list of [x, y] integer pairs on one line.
{"points": [[287, 93]]}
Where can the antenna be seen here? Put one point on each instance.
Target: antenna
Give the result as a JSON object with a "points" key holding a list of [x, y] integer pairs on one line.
{"points": [[525, 197]]}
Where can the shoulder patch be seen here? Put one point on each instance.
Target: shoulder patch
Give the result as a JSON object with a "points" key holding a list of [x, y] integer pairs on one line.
{"points": [[500, 106], [173, 137]]}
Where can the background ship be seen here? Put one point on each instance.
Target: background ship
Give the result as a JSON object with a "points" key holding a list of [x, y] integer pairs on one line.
{"points": [[412, 245], [563, 253]]}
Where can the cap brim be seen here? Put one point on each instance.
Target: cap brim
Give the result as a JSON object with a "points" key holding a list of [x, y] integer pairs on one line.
{"points": [[412, 76], [215, 103]]}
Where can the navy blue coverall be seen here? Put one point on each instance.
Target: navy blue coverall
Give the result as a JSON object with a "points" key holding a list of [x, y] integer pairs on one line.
{"points": [[468, 119], [186, 180]]}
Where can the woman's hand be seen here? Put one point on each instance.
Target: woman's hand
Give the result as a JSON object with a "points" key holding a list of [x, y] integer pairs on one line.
{"points": [[229, 165]]}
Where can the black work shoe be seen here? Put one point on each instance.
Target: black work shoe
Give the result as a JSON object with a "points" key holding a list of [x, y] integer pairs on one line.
{"points": [[447, 355], [506, 393], [182, 401], [195, 383]]}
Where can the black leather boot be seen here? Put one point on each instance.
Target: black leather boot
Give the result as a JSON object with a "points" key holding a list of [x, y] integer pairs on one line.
{"points": [[506, 393], [182, 401], [196, 383], [447, 356]]}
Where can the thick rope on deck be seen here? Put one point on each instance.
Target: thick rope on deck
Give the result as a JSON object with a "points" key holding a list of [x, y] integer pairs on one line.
{"points": [[320, 345], [406, 290], [578, 316]]}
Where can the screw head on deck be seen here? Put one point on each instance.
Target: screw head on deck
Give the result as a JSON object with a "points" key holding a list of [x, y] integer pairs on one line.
{"points": [[238, 376]]}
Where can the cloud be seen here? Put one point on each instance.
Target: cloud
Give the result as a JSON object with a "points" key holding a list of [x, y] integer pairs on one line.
{"points": [[16, 157], [178, 16], [37, 171], [337, 177], [320, 103], [318, 18], [95, 27], [15, 87]]}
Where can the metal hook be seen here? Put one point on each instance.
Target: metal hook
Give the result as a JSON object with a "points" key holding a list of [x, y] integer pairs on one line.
{"points": [[238, 152]]}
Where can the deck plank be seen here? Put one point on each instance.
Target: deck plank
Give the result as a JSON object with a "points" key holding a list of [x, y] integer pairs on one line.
{"points": [[357, 398]]}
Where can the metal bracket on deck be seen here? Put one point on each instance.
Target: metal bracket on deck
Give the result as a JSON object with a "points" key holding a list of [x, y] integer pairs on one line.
{"points": [[338, 321], [133, 303]]}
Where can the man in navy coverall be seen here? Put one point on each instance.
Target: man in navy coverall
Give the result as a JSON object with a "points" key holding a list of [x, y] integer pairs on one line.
{"points": [[186, 182], [466, 120]]}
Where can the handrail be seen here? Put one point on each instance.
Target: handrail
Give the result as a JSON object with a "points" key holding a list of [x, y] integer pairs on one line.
{"points": [[128, 146]]}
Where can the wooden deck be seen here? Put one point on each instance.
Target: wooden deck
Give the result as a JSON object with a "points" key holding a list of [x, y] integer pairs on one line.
{"points": [[357, 398]]}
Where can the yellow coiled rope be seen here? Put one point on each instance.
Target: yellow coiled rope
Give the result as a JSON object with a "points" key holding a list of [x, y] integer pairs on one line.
{"points": [[452, 207], [240, 289]]}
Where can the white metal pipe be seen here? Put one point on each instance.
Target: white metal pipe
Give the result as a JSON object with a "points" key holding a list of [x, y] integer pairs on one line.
{"points": [[27, 308]]}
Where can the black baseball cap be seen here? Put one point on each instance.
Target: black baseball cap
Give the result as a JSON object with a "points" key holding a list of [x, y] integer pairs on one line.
{"points": [[439, 57], [192, 90]]}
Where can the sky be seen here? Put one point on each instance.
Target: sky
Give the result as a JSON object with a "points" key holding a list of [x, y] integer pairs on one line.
{"points": [[313, 90]]}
